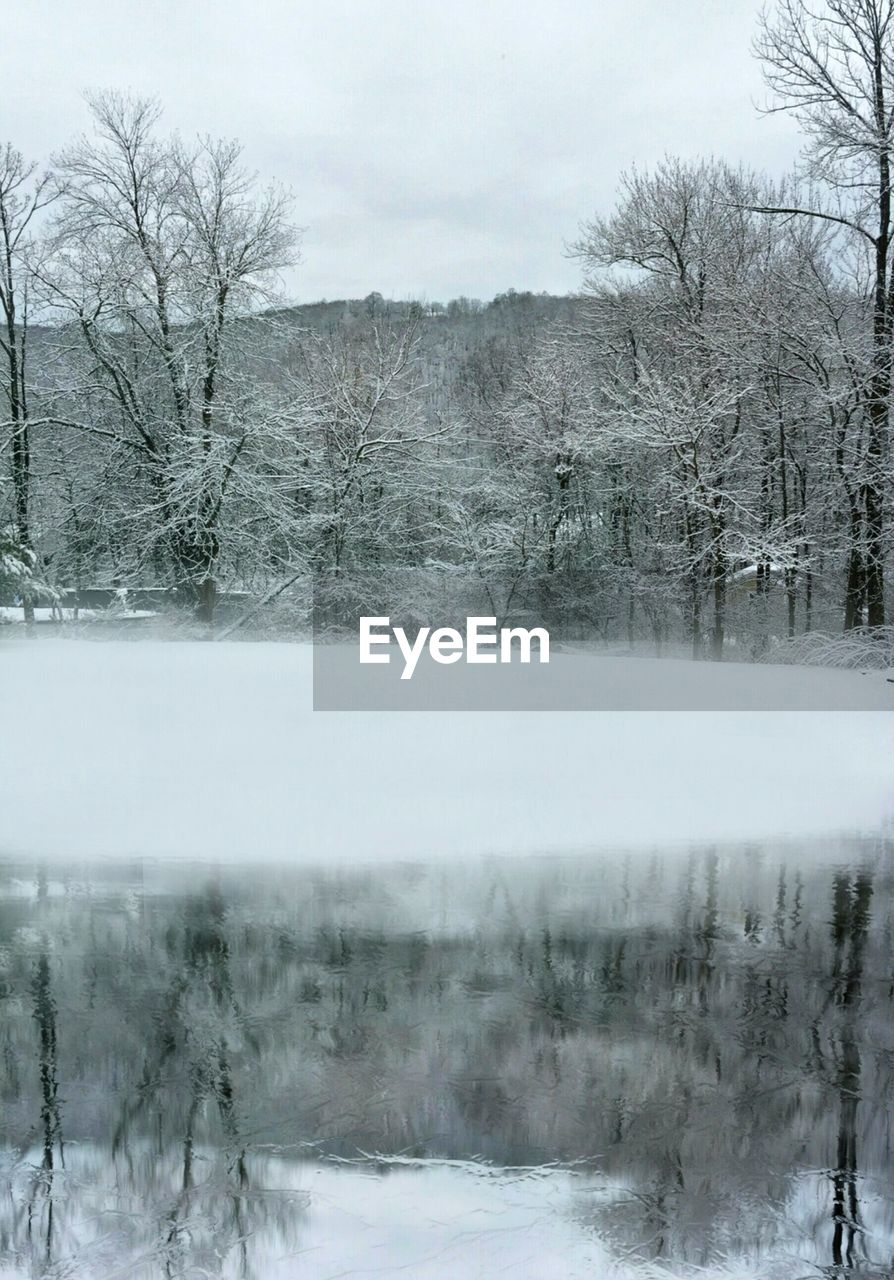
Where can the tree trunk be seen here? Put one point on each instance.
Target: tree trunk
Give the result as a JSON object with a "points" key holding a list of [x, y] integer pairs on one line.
{"points": [[717, 635], [856, 582], [207, 601]]}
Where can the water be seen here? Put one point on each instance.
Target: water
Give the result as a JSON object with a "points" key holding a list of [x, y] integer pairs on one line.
{"points": [[551, 1068]]}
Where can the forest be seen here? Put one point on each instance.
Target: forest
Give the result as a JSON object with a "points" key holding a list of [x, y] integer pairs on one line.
{"points": [[691, 451]]}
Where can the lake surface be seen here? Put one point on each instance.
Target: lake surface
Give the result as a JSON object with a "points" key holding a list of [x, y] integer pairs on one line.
{"points": [[669, 1063]]}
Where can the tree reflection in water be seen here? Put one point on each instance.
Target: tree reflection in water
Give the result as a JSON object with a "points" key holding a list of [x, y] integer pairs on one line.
{"points": [[704, 1040]]}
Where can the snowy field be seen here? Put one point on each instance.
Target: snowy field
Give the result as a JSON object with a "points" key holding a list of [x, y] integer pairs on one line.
{"points": [[212, 751]]}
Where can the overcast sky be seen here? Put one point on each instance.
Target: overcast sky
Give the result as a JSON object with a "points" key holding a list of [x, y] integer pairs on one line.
{"points": [[433, 148]]}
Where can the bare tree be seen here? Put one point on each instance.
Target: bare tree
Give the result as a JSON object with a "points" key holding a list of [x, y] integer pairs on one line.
{"points": [[23, 193], [160, 249], [834, 70], [678, 384], [361, 433]]}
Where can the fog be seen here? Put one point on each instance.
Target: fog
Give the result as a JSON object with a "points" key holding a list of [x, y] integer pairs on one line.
{"points": [[212, 751]]}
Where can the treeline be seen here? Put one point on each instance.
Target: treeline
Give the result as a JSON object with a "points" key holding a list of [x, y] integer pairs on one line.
{"points": [[694, 449]]}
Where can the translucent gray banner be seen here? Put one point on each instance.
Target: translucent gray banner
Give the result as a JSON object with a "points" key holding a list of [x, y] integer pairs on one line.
{"points": [[580, 680], [435, 641]]}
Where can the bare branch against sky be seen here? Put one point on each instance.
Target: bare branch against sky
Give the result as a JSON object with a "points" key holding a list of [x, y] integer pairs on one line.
{"points": [[434, 149]]}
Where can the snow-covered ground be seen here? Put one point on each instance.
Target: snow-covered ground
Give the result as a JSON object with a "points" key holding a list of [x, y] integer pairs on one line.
{"points": [[419, 1219], [15, 614], [212, 751], [424, 1219]]}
